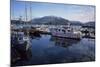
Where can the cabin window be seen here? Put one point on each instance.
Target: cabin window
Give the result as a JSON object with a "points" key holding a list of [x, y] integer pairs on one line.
{"points": [[68, 30], [20, 38], [63, 31], [59, 29]]}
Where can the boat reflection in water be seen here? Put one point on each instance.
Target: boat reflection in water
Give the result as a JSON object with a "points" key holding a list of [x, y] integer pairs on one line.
{"points": [[19, 55], [64, 42]]}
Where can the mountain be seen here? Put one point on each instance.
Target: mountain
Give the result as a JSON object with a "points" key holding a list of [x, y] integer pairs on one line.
{"points": [[77, 23], [90, 24], [52, 20]]}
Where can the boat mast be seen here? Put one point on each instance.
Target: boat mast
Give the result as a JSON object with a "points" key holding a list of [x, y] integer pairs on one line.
{"points": [[27, 29], [30, 12], [12, 11], [25, 12]]}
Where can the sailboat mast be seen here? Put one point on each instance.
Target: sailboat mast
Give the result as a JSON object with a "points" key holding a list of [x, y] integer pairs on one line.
{"points": [[25, 12], [30, 12], [27, 30], [12, 11]]}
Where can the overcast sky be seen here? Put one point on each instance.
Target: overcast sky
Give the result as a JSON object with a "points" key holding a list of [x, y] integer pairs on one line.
{"points": [[81, 13]]}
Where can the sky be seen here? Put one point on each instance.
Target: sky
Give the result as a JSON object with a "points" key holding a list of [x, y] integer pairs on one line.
{"points": [[82, 13]]}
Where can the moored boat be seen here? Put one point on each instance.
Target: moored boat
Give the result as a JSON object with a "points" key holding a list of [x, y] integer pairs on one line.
{"points": [[66, 32], [20, 46]]}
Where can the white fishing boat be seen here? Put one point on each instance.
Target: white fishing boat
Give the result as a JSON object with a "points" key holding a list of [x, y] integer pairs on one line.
{"points": [[66, 32], [43, 29]]}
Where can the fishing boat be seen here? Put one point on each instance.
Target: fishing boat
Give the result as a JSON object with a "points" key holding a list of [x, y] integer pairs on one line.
{"points": [[21, 40], [21, 46], [66, 32]]}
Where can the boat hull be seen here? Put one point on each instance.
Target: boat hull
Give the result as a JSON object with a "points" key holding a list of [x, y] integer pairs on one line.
{"points": [[67, 35]]}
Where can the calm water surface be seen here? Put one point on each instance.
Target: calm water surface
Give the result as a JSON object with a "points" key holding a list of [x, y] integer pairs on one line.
{"points": [[47, 49]]}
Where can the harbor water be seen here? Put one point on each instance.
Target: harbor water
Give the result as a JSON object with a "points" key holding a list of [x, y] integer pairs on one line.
{"points": [[49, 50]]}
